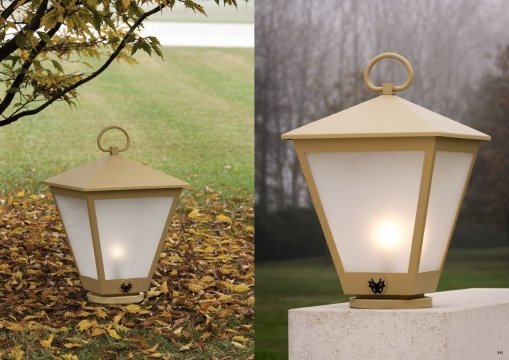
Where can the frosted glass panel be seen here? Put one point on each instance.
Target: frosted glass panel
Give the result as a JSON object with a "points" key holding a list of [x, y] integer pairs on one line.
{"points": [[74, 215], [129, 233], [370, 200], [449, 176]]}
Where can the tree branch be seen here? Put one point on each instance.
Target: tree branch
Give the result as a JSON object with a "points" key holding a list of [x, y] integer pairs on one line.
{"points": [[77, 45], [26, 65], [120, 47], [10, 46], [11, 8]]}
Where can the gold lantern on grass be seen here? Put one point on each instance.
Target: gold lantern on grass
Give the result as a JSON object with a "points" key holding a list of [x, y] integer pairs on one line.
{"points": [[116, 213]]}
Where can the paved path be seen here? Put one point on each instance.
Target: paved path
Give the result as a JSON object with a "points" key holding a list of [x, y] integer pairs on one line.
{"points": [[201, 34]]}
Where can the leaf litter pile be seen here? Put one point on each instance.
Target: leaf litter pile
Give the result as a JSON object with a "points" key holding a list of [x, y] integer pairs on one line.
{"points": [[199, 306]]}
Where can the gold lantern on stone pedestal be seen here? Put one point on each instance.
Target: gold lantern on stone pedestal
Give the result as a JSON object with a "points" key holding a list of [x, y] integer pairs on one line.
{"points": [[387, 178]]}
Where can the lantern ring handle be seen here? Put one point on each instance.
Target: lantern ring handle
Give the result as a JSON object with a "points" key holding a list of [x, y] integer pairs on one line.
{"points": [[113, 150], [389, 88]]}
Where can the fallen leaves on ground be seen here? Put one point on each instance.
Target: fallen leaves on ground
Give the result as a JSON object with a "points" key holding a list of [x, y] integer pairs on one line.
{"points": [[200, 304]]}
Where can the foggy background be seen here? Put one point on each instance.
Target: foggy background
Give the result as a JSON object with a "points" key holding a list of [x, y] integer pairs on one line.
{"points": [[310, 58]]}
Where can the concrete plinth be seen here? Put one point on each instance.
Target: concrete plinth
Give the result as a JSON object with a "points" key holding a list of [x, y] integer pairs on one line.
{"points": [[470, 324]]}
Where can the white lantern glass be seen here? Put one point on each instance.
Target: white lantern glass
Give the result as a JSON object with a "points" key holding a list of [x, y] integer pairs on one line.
{"points": [[74, 213], [370, 201], [129, 234], [450, 173]]}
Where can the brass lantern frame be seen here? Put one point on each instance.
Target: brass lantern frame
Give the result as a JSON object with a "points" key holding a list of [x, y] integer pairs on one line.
{"points": [[114, 287], [401, 287], [383, 124], [115, 177]]}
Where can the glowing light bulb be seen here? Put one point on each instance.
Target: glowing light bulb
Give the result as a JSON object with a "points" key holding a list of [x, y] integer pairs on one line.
{"points": [[388, 235], [117, 251]]}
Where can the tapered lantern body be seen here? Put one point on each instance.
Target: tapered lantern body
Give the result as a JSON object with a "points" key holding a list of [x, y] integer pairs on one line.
{"points": [[116, 213], [387, 178]]}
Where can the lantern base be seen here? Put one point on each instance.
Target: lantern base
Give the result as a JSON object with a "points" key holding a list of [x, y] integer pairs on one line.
{"points": [[388, 303], [115, 299]]}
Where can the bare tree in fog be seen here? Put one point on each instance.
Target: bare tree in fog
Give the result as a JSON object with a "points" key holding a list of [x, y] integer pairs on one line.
{"points": [[311, 55], [487, 200]]}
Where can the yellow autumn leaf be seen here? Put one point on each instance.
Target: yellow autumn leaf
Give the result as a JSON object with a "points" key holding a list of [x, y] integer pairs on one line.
{"points": [[113, 334], [74, 342], [207, 279], [241, 339], [164, 287], [209, 249], [205, 335], [83, 314], [133, 308], [223, 219], [174, 259], [153, 293], [195, 214], [119, 327], [100, 312], [13, 326], [228, 269], [20, 193], [34, 325], [209, 305], [136, 309], [185, 347], [194, 287], [47, 343], [224, 298], [152, 349], [152, 352], [17, 353], [84, 325], [118, 317], [6, 267], [157, 355], [97, 332], [238, 345], [240, 288], [69, 357], [162, 323]]}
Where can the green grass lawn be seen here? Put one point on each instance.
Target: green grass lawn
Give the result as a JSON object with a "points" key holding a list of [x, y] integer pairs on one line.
{"points": [[299, 283], [189, 115]]}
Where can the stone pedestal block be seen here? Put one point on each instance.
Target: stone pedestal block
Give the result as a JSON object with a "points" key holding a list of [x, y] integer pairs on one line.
{"points": [[470, 324]]}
